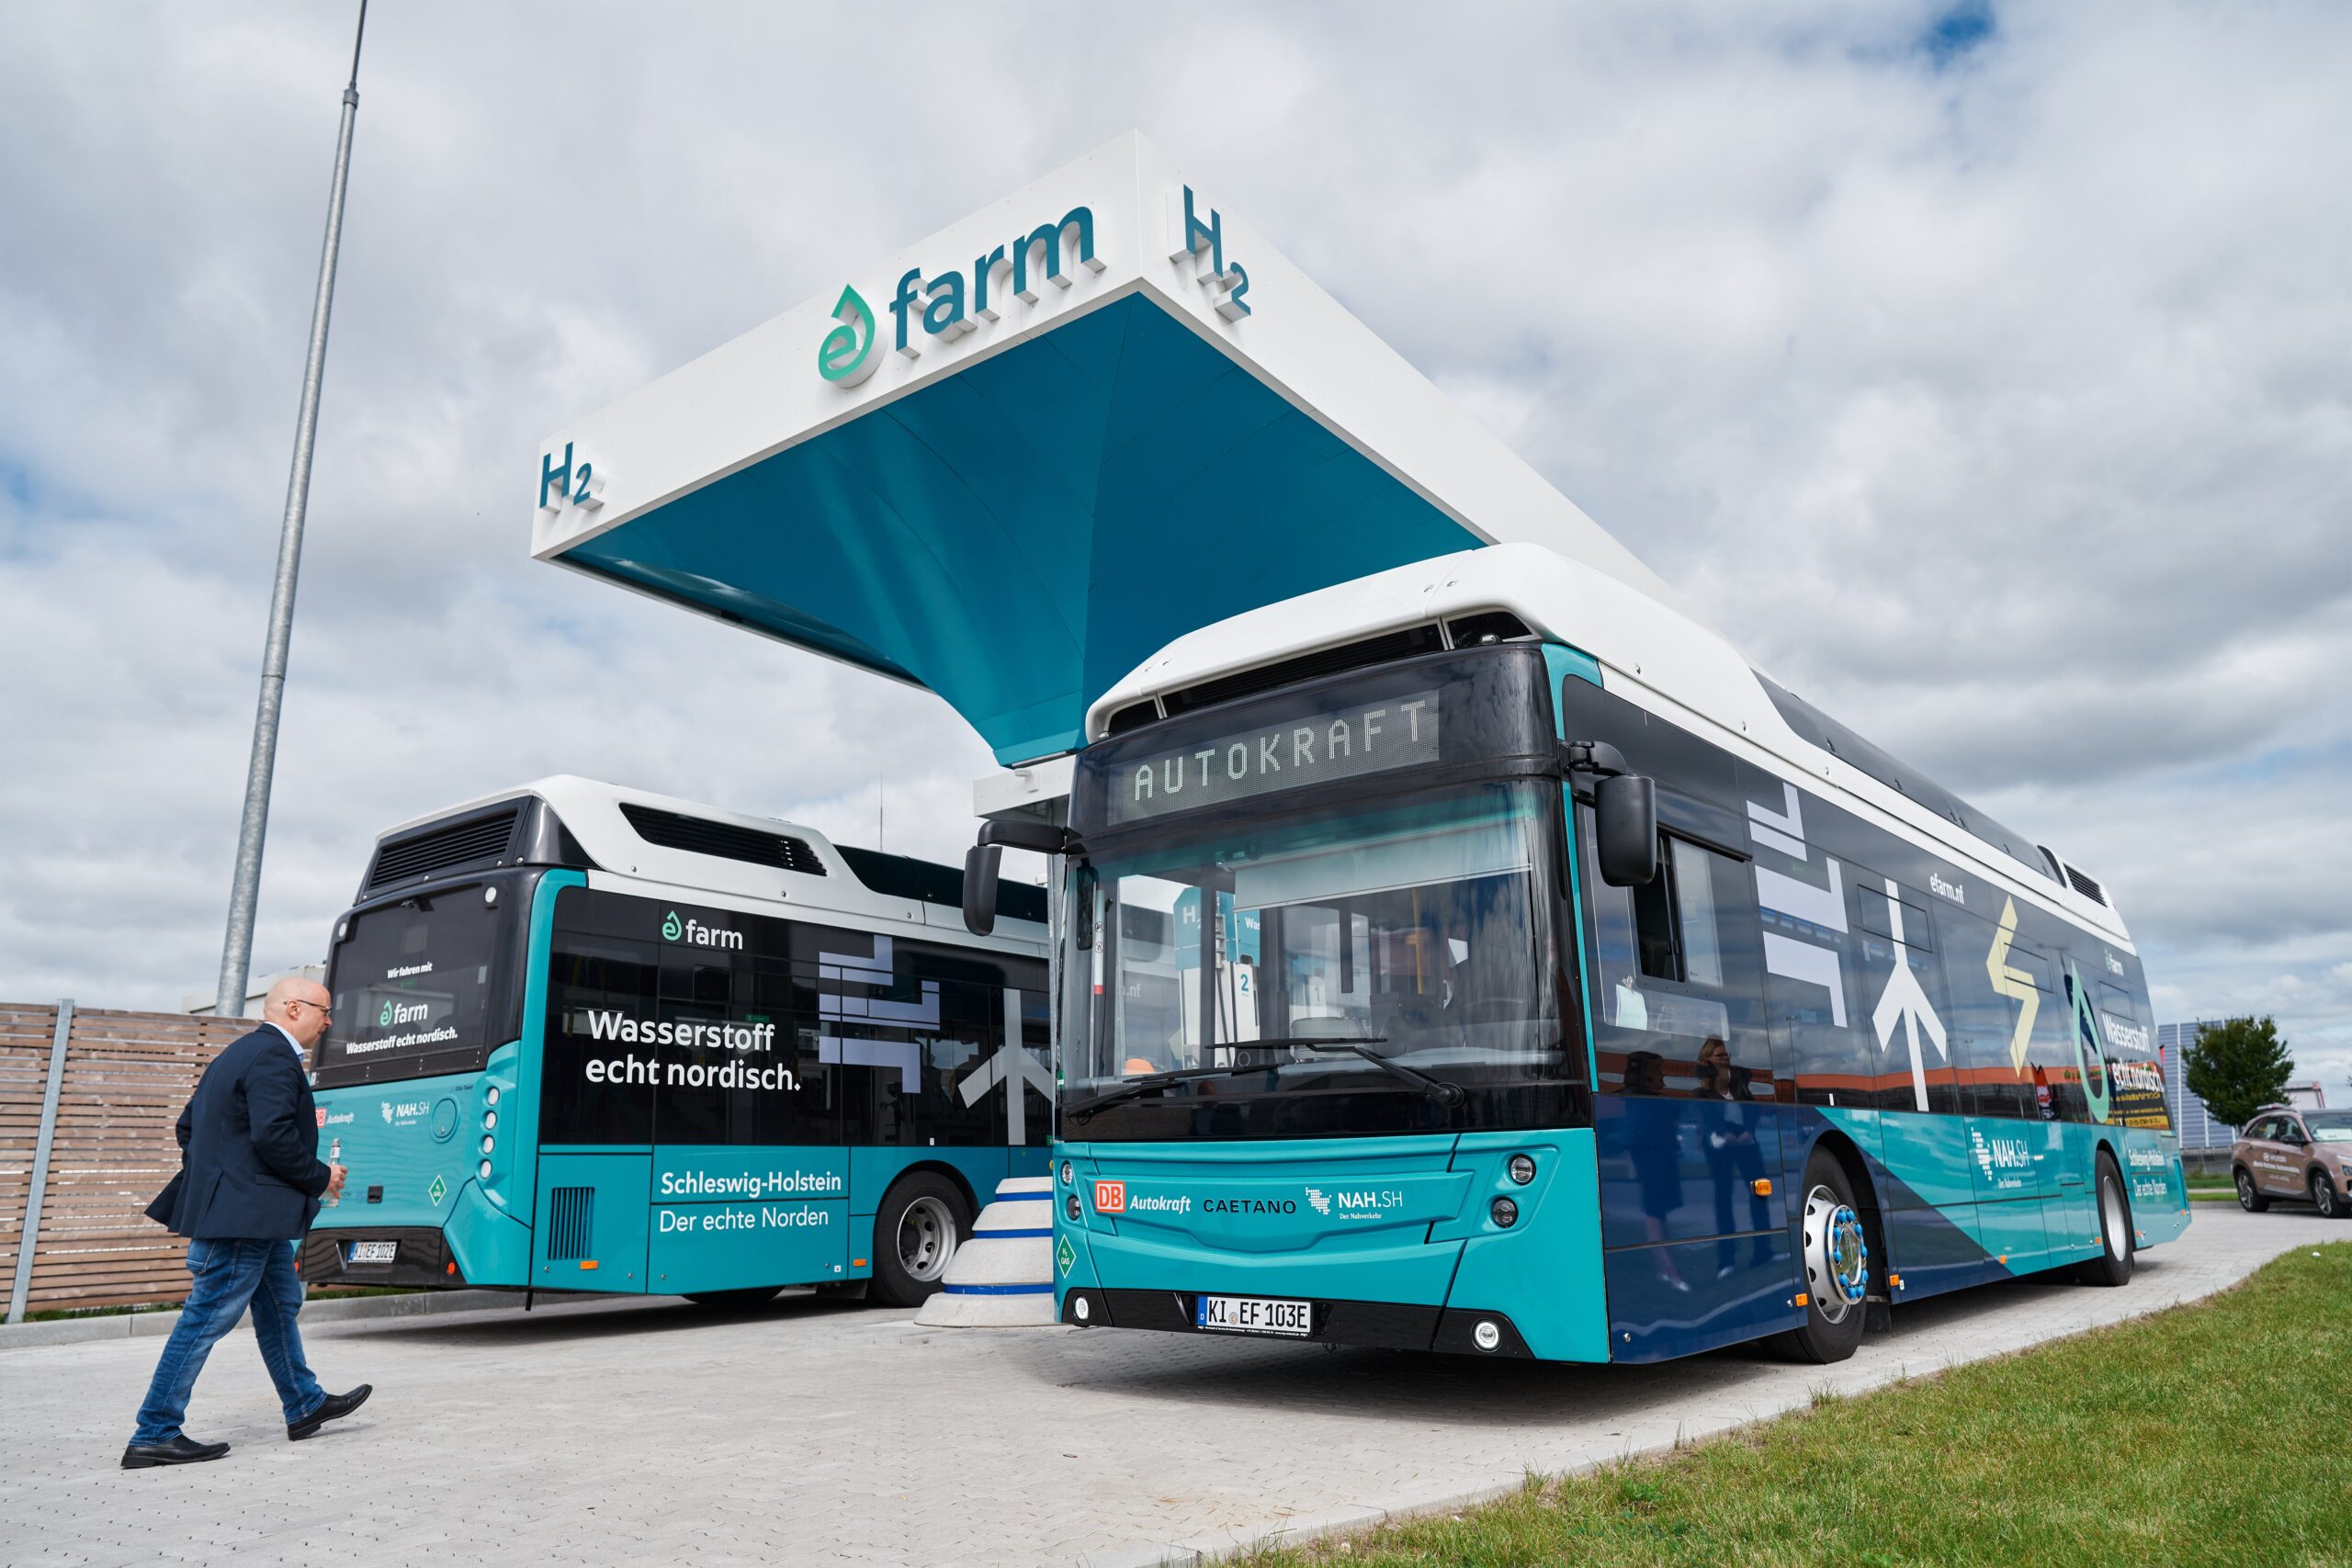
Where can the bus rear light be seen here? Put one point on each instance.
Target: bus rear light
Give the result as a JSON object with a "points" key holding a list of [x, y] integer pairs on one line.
{"points": [[1505, 1212], [490, 1095], [484, 1171], [488, 1143], [452, 1269], [489, 1120]]}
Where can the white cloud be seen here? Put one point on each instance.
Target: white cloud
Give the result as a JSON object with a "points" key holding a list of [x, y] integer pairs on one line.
{"points": [[2000, 404]]}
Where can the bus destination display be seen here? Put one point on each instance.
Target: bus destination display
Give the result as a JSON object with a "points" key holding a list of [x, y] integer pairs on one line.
{"points": [[1344, 743]]}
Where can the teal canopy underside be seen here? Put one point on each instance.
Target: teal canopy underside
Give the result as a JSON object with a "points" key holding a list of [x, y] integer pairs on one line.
{"points": [[1023, 533]]}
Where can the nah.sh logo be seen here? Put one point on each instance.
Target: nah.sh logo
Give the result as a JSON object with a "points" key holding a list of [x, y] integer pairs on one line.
{"points": [[1110, 1197]]}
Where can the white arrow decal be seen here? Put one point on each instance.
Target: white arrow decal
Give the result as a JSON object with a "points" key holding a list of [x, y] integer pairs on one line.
{"points": [[1012, 1066], [1905, 1001]]}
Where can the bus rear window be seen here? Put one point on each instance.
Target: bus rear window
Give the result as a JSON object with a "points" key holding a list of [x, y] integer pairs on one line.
{"points": [[418, 988]]}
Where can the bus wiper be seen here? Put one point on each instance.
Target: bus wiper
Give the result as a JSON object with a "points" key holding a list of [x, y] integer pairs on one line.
{"points": [[1133, 1087], [1444, 1093]]}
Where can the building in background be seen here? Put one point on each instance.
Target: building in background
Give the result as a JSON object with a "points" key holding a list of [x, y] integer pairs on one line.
{"points": [[2199, 1128]]}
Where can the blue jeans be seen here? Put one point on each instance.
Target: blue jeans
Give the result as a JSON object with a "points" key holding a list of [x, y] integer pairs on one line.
{"points": [[227, 1275]]}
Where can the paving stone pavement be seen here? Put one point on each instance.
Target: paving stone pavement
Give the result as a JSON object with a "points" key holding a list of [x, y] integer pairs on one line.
{"points": [[650, 1432]]}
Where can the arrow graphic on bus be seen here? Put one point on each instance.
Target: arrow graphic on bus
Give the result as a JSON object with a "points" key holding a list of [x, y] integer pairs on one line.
{"points": [[1905, 1002], [2013, 983], [1012, 1066]]}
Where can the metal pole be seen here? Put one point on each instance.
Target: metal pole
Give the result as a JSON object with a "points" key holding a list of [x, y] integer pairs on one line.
{"points": [[30, 1234], [236, 953]]}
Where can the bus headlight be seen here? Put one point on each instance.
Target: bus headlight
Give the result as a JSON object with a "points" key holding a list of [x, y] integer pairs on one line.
{"points": [[1522, 1168], [488, 1143], [485, 1171], [1067, 1174], [1069, 1207], [1504, 1212]]}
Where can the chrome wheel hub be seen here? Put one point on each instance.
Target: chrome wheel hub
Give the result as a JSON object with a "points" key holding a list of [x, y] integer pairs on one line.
{"points": [[2111, 1218], [1836, 1255], [926, 1239]]}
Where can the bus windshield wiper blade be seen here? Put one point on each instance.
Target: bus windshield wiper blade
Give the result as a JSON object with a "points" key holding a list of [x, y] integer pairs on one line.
{"points": [[1444, 1093], [1134, 1086]]}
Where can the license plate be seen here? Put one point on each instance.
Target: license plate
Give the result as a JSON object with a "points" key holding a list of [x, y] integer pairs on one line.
{"points": [[372, 1251], [1253, 1314]]}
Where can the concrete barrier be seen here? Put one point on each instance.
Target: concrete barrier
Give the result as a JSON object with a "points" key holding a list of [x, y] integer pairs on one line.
{"points": [[1003, 1277]]}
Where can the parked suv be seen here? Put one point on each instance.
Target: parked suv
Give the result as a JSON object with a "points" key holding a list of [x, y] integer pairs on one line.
{"points": [[2287, 1153]]}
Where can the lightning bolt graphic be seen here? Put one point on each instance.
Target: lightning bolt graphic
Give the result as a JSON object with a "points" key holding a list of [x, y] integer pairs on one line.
{"points": [[2015, 984]]}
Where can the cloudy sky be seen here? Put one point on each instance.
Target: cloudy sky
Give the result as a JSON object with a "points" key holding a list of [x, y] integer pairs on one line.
{"points": [[1985, 373]]}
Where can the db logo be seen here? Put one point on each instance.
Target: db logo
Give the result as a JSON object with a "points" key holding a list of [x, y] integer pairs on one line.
{"points": [[322, 1117], [1110, 1197]]}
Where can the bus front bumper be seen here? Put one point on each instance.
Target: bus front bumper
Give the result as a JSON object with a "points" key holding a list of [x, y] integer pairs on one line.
{"points": [[1373, 1326]]}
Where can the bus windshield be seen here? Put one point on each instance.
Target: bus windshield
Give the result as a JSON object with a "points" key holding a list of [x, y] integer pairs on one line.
{"points": [[1417, 930], [420, 987]]}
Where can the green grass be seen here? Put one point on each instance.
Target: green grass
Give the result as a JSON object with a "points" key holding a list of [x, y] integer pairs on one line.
{"points": [[2191, 1436]]}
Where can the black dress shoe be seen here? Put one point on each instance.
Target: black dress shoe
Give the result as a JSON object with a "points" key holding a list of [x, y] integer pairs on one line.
{"points": [[334, 1406], [181, 1450]]}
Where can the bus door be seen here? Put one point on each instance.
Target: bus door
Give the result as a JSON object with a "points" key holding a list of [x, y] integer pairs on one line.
{"points": [[2017, 1143]]}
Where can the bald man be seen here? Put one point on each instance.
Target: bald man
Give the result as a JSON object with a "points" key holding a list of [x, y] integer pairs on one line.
{"points": [[249, 1186]]}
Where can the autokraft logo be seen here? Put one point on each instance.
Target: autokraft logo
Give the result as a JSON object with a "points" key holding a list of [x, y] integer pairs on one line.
{"points": [[1110, 1197]]}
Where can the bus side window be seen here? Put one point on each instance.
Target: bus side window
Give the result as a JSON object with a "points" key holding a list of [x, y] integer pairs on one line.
{"points": [[1678, 973]]}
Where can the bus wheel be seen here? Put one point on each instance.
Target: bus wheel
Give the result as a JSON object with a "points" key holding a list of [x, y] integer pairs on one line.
{"points": [[923, 1219], [2250, 1197], [733, 1301], [1837, 1266], [2113, 1264]]}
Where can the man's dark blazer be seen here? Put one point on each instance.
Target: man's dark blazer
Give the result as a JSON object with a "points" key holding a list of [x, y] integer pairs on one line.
{"points": [[249, 1149]]}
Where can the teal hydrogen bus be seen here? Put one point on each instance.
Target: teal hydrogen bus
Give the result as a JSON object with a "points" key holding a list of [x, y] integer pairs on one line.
{"points": [[588, 1038], [1482, 957]]}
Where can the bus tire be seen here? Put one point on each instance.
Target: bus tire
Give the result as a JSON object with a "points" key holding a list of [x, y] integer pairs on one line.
{"points": [[2116, 1248], [733, 1301], [2250, 1197], [923, 1219], [1834, 1251]]}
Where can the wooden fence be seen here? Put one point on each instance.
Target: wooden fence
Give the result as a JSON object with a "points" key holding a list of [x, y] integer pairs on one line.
{"points": [[121, 1083]]}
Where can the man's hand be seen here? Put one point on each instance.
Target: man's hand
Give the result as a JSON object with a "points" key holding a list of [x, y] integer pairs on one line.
{"points": [[336, 1173]]}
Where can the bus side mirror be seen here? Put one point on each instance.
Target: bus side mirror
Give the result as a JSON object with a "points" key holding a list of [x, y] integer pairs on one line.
{"points": [[980, 863], [1625, 816]]}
